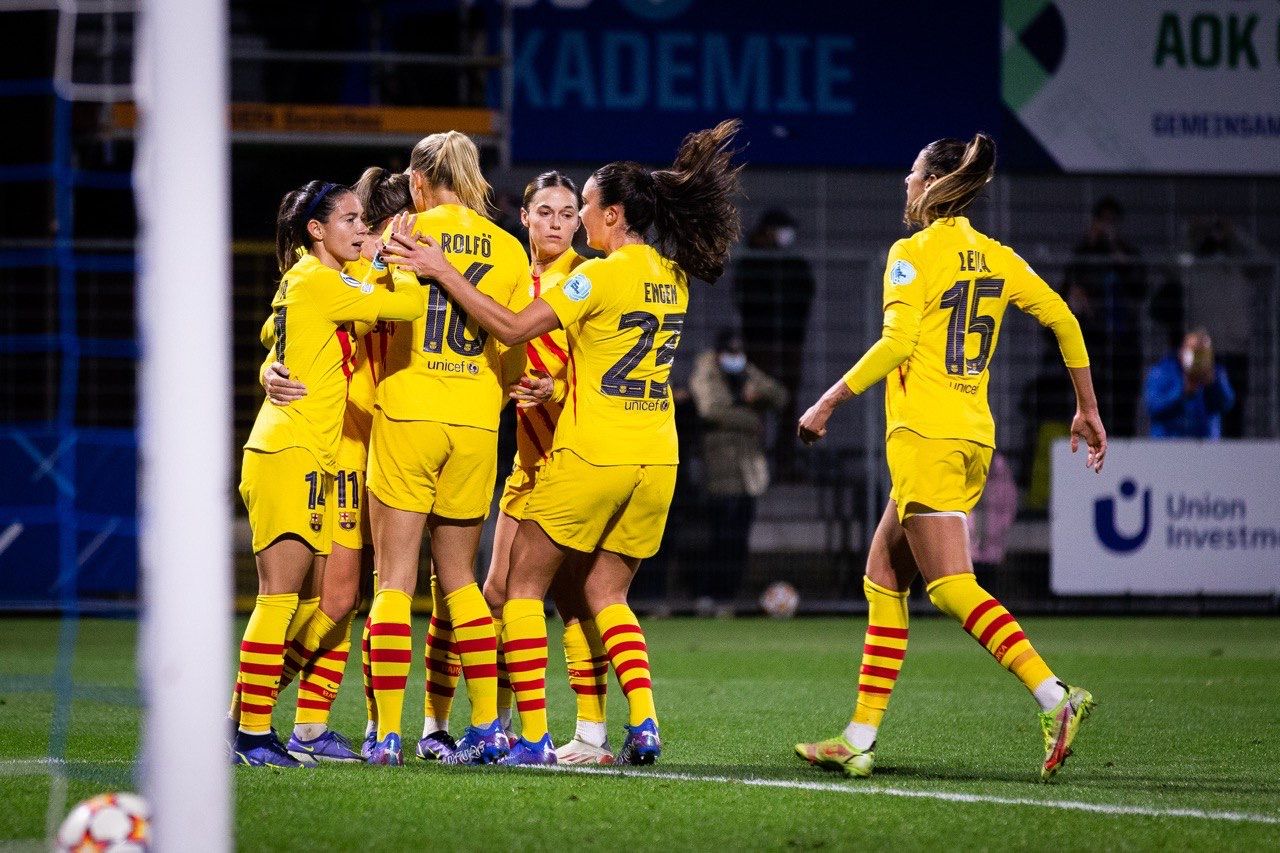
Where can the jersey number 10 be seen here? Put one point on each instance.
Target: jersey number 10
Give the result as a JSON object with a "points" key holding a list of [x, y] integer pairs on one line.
{"points": [[965, 320], [438, 312]]}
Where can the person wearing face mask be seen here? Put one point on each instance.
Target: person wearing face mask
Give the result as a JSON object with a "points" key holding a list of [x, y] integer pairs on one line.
{"points": [[731, 395], [1187, 392], [773, 289]]}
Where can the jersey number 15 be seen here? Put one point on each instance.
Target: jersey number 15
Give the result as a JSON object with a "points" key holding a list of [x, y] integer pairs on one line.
{"points": [[965, 320]]}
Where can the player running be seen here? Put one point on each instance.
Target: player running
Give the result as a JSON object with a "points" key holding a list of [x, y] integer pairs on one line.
{"points": [[288, 477], [433, 453], [607, 486], [945, 292]]}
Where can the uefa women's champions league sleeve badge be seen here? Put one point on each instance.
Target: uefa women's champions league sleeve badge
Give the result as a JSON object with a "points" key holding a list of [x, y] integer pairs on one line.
{"points": [[901, 273], [577, 287]]}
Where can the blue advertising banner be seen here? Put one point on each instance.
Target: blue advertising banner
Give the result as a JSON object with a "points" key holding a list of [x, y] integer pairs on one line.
{"points": [[816, 84]]}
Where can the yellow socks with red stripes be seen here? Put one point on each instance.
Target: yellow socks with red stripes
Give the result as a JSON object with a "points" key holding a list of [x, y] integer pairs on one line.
{"points": [[588, 665], [477, 647], [624, 643], [443, 665], [504, 678], [321, 679], [299, 651], [390, 650], [883, 651], [301, 615], [524, 641], [370, 705], [261, 661], [994, 628]]}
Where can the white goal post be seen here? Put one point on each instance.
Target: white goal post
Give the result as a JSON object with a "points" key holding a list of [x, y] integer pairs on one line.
{"points": [[181, 180]]}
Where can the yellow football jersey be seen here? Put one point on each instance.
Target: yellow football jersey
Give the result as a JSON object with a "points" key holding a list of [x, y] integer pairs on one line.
{"points": [[959, 282], [623, 316], [314, 313], [549, 354], [446, 368]]}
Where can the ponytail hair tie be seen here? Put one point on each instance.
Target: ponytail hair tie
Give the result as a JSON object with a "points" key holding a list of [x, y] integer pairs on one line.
{"points": [[315, 202]]}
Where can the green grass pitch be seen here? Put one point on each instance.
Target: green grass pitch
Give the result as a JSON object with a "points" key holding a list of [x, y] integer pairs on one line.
{"points": [[1181, 752]]}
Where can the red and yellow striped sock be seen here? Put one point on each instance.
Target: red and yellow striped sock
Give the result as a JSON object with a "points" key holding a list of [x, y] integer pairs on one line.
{"points": [[477, 646], [390, 651], [301, 615], [262, 659], [524, 637], [444, 667], [991, 625], [588, 665], [624, 642], [504, 677], [299, 651], [370, 705], [323, 675], [883, 651]]}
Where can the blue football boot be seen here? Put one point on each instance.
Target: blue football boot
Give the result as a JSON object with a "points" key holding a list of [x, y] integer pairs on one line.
{"points": [[437, 746], [480, 746], [387, 751], [330, 746], [543, 752], [261, 751], [641, 745]]}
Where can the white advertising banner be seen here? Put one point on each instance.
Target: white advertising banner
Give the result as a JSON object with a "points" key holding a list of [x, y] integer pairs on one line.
{"points": [[1167, 518], [1182, 86]]}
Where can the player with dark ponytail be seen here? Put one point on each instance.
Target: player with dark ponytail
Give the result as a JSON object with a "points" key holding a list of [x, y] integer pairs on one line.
{"points": [[291, 458], [606, 488], [946, 289]]}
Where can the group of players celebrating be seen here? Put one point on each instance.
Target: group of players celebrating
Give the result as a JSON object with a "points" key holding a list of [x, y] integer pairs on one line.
{"points": [[403, 322]]}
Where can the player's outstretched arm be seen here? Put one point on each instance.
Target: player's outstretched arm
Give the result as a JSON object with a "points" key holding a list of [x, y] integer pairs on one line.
{"points": [[813, 424], [424, 256], [1087, 426]]}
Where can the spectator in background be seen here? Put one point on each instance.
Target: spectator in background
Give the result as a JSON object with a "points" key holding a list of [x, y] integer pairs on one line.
{"points": [[773, 289], [1105, 288], [992, 518], [730, 394], [1187, 392], [1219, 295]]}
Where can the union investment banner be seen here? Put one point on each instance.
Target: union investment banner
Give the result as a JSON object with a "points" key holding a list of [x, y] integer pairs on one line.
{"points": [[1178, 86], [1167, 518]]}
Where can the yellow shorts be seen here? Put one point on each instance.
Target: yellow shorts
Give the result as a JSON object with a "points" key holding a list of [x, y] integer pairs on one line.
{"points": [[351, 524], [515, 494], [935, 474], [620, 508], [425, 466], [287, 493]]}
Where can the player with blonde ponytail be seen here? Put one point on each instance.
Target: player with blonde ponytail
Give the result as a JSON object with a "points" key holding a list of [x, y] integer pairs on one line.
{"points": [[946, 289], [433, 451]]}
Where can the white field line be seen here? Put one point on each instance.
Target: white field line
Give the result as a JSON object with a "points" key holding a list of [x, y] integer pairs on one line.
{"points": [[851, 789], [863, 789]]}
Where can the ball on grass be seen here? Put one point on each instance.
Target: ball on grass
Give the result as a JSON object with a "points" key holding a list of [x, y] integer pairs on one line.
{"points": [[780, 600], [118, 823]]}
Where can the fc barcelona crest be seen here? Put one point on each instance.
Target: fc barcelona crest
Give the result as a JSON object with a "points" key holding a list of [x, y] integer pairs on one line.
{"points": [[317, 521], [347, 520]]}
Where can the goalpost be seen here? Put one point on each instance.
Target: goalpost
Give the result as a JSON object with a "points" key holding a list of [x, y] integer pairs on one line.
{"points": [[185, 421]]}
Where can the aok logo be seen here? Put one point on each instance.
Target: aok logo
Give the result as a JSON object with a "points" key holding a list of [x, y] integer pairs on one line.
{"points": [[1104, 520]]}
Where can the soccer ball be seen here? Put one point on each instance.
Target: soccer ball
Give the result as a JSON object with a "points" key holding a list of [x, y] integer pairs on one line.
{"points": [[107, 822], [780, 600]]}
